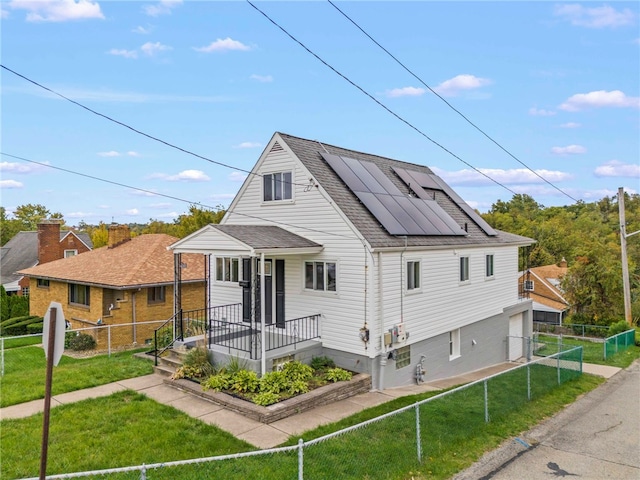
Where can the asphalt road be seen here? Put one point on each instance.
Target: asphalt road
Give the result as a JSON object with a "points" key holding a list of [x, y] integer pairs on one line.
{"points": [[597, 437]]}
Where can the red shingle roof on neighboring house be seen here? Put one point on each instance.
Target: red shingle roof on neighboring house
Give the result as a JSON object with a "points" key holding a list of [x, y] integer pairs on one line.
{"points": [[144, 260]]}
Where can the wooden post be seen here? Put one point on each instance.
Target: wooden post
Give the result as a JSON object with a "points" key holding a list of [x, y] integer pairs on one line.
{"points": [[47, 394]]}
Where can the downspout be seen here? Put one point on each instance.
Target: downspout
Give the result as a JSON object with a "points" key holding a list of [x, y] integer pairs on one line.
{"points": [[263, 348], [133, 317], [383, 347], [402, 279]]}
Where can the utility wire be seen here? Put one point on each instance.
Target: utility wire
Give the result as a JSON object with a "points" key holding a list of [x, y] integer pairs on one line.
{"points": [[172, 197], [406, 122], [449, 104]]}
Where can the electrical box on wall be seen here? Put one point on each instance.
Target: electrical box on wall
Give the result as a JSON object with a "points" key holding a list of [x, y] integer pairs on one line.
{"points": [[387, 339], [398, 333]]}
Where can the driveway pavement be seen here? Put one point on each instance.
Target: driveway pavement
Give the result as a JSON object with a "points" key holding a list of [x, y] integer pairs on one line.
{"points": [[596, 437]]}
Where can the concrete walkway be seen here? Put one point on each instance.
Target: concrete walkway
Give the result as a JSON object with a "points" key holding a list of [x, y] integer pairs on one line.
{"points": [[259, 434]]}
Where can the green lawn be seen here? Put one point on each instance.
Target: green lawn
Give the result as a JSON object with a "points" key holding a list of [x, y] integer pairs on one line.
{"points": [[593, 352], [14, 342], [25, 372], [92, 434]]}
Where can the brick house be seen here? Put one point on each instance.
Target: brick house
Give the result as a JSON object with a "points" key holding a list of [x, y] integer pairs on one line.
{"points": [[542, 285], [31, 248], [128, 282]]}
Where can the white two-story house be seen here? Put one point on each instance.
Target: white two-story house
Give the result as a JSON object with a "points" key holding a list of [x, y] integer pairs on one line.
{"points": [[374, 262]]}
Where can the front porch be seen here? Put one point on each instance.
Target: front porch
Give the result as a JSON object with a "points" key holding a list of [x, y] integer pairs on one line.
{"points": [[222, 329]]}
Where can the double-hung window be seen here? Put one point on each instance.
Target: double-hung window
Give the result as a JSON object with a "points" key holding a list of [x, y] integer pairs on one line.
{"points": [[79, 294], [227, 269], [464, 269], [320, 276], [413, 275], [277, 186], [489, 266]]}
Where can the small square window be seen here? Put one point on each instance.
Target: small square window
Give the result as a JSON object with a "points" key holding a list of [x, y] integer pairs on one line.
{"points": [[403, 357], [276, 186], [528, 285], [43, 283], [70, 253], [155, 294]]}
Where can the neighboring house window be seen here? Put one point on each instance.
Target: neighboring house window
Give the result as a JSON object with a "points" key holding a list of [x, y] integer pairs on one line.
{"points": [[277, 186], [70, 253], [25, 291], [155, 294], [454, 344], [464, 269], [42, 283], [79, 294], [403, 357], [489, 266], [320, 276], [227, 269], [413, 275], [528, 285]]}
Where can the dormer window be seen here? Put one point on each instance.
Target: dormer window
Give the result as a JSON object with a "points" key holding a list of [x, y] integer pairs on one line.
{"points": [[277, 186]]}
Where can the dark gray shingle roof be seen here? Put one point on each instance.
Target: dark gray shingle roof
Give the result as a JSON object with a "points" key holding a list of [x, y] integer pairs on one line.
{"points": [[308, 151], [265, 236]]}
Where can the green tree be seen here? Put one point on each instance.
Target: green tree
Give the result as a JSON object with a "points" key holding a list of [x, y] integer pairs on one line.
{"points": [[4, 304], [100, 236], [18, 305], [196, 219], [30, 215], [8, 227]]}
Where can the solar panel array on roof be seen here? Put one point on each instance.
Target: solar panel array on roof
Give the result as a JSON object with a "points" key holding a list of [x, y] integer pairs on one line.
{"points": [[398, 213], [418, 181]]}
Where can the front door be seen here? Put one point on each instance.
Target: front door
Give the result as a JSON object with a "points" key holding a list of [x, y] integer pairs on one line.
{"points": [[273, 291]]}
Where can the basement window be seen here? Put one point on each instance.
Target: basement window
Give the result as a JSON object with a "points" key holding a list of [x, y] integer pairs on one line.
{"points": [[403, 357]]}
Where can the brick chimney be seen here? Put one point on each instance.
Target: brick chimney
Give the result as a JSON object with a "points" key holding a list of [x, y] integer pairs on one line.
{"points": [[118, 234], [49, 241]]}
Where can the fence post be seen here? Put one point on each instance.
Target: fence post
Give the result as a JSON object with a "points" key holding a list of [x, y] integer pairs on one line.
{"points": [[558, 366], [528, 383], [418, 440], [143, 473], [486, 403], [109, 339], [300, 459]]}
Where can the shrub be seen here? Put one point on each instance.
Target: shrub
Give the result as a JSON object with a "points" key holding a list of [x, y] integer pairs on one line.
{"points": [[266, 398], [18, 305], [217, 383], [82, 342], [337, 375], [18, 325], [618, 327], [245, 381], [298, 386], [195, 365], [34, 328], [274, 382], [294, 371], [322, 363]]}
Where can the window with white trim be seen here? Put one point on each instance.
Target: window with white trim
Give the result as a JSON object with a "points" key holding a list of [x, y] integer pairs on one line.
{"points": [[25, 291], [413, 275], [488, 260], [277, 186], [320, 276], [70, 253], [79, 294], [454, 344], [227, 269], [528, 285], [464, 269]]}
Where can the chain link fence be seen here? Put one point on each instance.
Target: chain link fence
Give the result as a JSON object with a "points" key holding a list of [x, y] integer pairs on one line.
{"points": [[618, 343], [388, 446]]}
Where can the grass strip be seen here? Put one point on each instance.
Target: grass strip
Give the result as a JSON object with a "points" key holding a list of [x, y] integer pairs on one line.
{"points": [[593, 352]]}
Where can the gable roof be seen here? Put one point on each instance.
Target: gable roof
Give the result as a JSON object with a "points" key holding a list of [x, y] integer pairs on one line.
{"points": [[22, 252], [546, 286], [310, 153], [142, 261]]}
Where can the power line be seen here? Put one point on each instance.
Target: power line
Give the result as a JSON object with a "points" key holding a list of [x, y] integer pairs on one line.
{"points": [[449, 104], [406, 122], [172, 197]]}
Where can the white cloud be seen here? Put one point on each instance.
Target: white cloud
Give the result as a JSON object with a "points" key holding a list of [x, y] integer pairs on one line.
{"points": [[123, 53], [132, 211], [110, 153], [248, 145], [145, 193], [225, 45], [57, 10], [152, 49], [237, 176], [142, 30], [615, 168], [595, 17], [405, 92], [10, 184], [164, 7], [568, 150], [459, 83], [571, 125], [506, 177], [599, 98], [160, 205], [20, 168], [131, 153], [541, 112], [168, 215], [185, 175], [78, 215], [262, 78]]}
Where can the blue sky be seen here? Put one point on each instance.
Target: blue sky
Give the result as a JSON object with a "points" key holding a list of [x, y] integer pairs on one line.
{"points": [[555, 84]]}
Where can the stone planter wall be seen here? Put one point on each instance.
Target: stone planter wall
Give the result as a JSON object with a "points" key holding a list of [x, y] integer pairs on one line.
{"points": [[324, 395]]}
